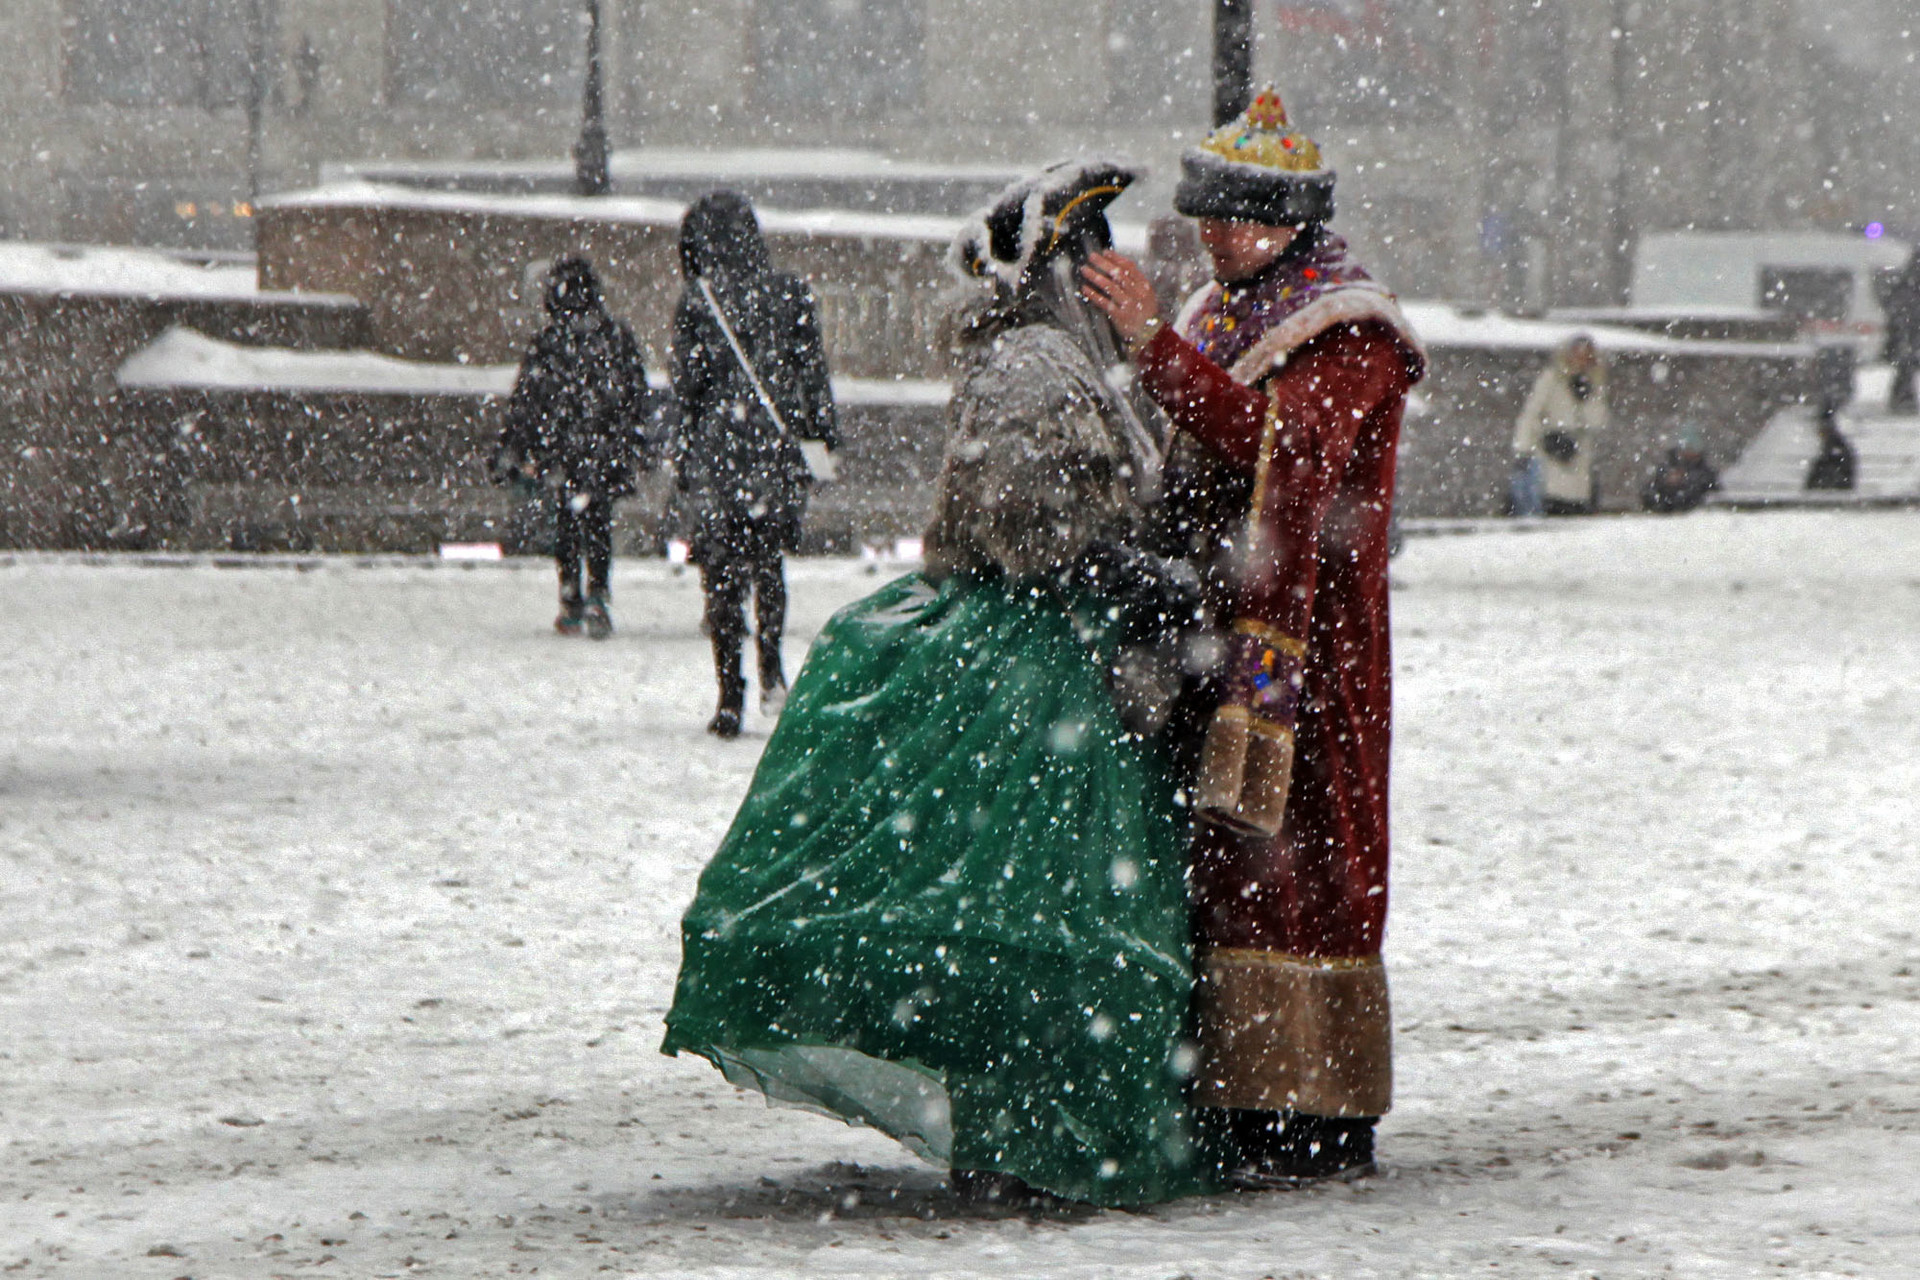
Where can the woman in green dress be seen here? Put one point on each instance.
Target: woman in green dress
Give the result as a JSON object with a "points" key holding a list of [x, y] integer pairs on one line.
{"points": [[952, 905]]}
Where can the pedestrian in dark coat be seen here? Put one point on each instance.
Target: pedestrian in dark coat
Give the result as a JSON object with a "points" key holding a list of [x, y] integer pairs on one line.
{"points": [[1899, 294], [1683, 479], [1835, 467], [750, 372], [576, 428]]}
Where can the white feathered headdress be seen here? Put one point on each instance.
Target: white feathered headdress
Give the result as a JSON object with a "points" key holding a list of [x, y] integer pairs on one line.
{"points": [[1063, 207]]}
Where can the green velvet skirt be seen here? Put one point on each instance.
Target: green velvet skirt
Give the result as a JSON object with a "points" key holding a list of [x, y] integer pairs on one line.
{"points": [[952, 905]]}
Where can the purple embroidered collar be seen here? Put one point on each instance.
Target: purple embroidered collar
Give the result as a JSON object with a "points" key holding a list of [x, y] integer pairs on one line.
{"points": [[1235, 316]]}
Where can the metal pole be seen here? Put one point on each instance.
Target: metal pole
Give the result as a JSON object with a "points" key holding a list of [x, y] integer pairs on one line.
{"points": [[590, 170], [1620, 221], [256, 100], [1232, 58]]}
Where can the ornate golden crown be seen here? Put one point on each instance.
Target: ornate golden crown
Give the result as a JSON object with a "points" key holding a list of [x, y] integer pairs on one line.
{"points": [[1262, 136]]}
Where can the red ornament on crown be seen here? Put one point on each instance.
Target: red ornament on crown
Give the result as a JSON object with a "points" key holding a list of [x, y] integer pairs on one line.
{"points": [[1266, 111]]}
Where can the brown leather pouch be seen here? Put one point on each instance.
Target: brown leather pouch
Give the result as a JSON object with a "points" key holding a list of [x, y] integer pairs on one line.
{"points": [[1246, 766]]}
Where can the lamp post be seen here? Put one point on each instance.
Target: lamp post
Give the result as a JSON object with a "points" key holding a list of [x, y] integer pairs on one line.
{"points": [[590, 173], [1232, 58], [256, 97]]}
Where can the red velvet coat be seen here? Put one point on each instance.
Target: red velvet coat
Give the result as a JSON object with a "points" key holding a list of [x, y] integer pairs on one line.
{"points": [[1319, 889]]}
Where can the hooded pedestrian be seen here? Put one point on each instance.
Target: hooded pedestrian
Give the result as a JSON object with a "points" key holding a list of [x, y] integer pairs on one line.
{"points": [[577, 429], [1899, 293], [1683, 478], [1286, 379], [1836, 465], [750, 373]]}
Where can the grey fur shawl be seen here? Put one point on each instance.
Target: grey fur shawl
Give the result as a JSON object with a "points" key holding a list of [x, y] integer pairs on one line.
{"points": [[1041, 460]]}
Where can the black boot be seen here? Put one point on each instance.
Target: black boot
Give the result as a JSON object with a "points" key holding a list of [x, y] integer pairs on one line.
{"points": [[726, 718], [1264, 1150], [988, 1189], [770, 605], [599, 621], [733, 697]]}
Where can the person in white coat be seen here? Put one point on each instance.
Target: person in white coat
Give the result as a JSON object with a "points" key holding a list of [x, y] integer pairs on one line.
{"points": [[1555, 436]]}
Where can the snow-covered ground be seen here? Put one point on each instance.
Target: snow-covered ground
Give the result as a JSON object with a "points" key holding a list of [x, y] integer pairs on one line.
{"points": [[338, 905]]}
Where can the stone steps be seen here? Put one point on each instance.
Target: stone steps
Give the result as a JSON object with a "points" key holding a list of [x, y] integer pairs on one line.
{"points": [[1773, 469]]}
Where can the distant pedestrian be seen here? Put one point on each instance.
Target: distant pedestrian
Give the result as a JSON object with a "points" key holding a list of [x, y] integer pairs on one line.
{"points": [[577, 430], [750, 372], [1554, 437], [1899, 294], [1683, 479], [1833, 468]]}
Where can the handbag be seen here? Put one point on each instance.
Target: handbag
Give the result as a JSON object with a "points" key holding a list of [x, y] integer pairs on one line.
{"points": [[1561, 446]]}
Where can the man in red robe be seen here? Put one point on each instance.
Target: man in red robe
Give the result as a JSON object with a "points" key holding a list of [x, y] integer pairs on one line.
{"points": [[1286, 379]]}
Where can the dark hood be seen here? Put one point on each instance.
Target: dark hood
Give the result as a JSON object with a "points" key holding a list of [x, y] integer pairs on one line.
{"points": [[720, 240], [572, 287]]}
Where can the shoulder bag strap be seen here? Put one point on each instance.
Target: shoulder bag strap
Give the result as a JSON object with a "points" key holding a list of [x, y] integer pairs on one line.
{"points": [[739, 353]]}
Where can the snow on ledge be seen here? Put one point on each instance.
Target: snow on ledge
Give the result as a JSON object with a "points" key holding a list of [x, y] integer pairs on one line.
{"points": [[643, 210], [124, 271], [820, 224], [1443, 325], [185, 359], [737, 163]]}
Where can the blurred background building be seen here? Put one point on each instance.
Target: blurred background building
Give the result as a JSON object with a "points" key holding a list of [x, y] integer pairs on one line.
{"points": [[1504, 152]]}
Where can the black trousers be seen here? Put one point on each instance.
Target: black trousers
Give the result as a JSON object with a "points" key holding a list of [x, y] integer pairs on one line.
{"points": [[728, 579], [580, 537]]}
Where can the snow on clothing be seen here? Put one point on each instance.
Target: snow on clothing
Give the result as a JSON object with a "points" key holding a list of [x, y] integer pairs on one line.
{"points": [[1557, 428], [952, 905], [744, 475], [1292, 1006], [578, 414], [1041, 462], [746, 478], [1047, 472], [580, 404]]}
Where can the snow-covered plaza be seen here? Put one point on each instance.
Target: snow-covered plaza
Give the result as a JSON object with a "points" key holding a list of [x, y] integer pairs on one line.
{"points": [[338, 909]]}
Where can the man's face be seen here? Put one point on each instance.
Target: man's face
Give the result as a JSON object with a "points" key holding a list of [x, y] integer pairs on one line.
{"points": [[1242, 249]]}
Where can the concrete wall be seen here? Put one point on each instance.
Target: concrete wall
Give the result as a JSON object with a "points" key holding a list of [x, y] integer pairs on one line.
{"points": [[451, 284], [84, 463], [80, 466], [338, 472], [261, 471]]}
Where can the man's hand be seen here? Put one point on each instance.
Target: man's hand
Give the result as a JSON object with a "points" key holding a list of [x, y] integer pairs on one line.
{"points": [[1116, 284]]}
